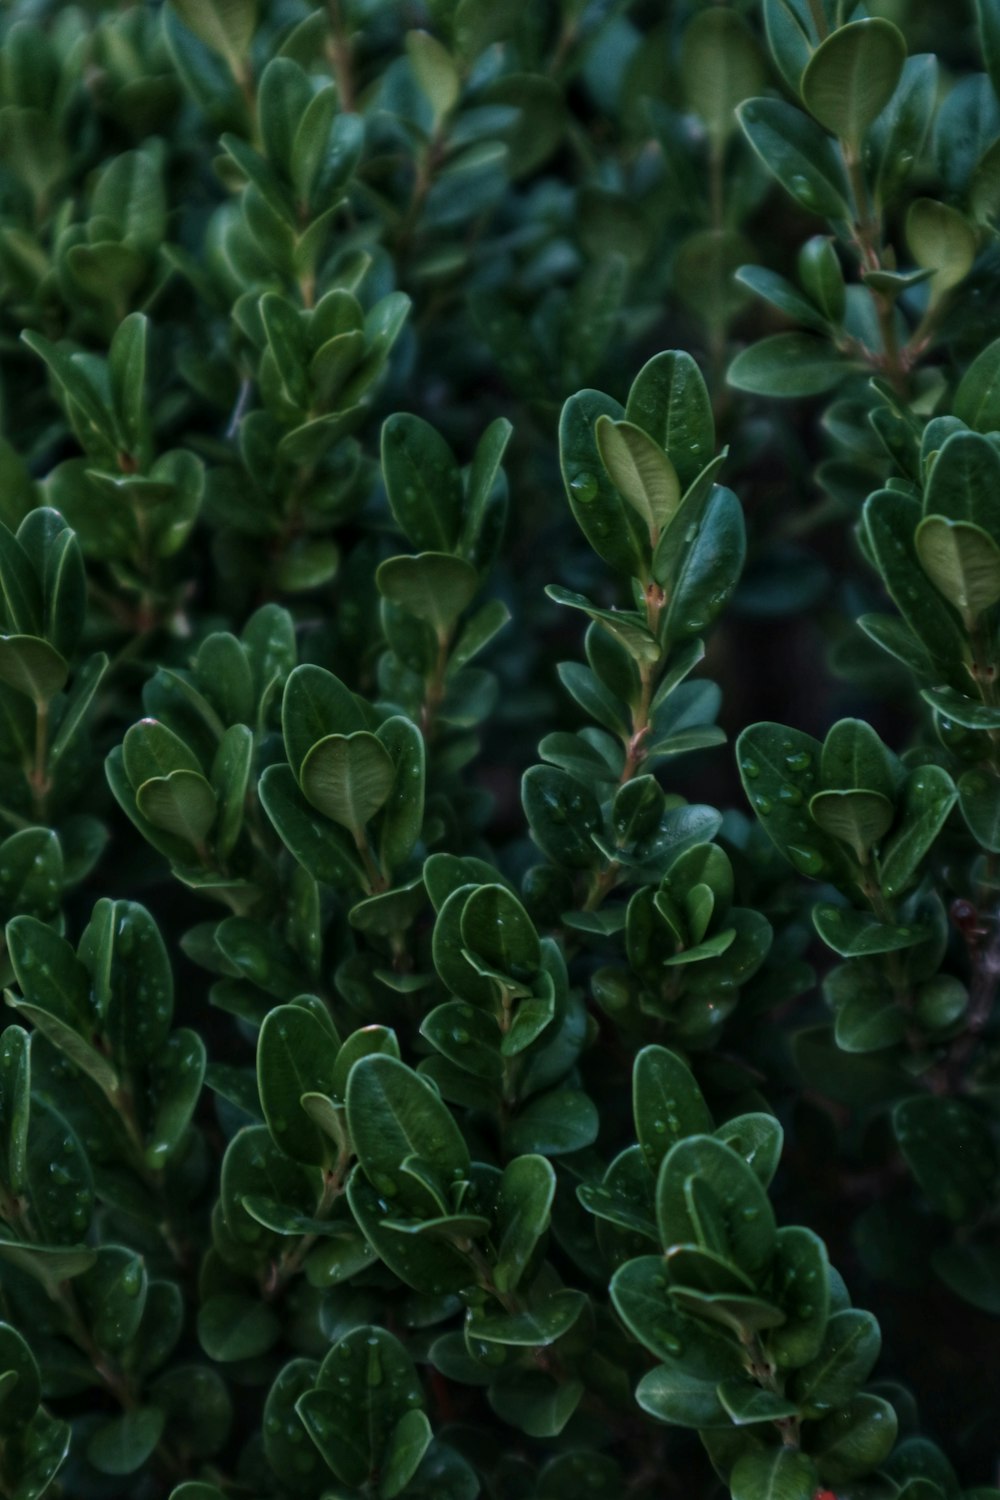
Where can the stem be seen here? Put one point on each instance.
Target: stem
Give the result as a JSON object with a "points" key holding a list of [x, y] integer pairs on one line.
{"points": [[39, 775], [434, 689], [340, 57], [818, 15], [763, 1372], [984, 960], [376, 880], [290, 1263], [868, 239]]}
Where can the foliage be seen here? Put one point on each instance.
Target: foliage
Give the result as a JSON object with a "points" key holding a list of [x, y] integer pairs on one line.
{"points": [[369, 1127]]}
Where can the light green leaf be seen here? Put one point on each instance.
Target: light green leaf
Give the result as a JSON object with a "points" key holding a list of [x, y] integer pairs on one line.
{"points": [[348, 778]]}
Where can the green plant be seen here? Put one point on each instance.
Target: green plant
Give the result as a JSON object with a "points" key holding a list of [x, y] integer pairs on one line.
{"points": [[408, 1085]]}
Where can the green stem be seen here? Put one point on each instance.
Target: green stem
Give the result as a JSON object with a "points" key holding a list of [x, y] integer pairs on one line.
{"points": [[39, 778]]}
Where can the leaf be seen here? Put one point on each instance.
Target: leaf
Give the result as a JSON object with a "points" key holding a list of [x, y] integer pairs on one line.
{"points": [[536, 1327], [775, 1474], [778, 767], [788, 364], [315, 704], [669, 401], [19, 1402], [799, 155], [234, 1327], [854, 1440], [640, 1297], [113, 1295], [972, 1272], [730, 1213], [436, 74], [850, 1348], [348, 778], [962, 561], [403, 812], [353, 1422], [721, 65], [640, 471], [498, 930], [182, 804], [394, 1115], [227, 26], [423, 483], [122, 1444], [928, 795], [940, 240], [801, 1282], [701, 575], [432, 586], [747, 1403], [409, 1441], [527, 1190], [176, 1076], [15, 1105], [979, 799], [758, 1138], [667, 1103], [671, 1395], [949, 1149], [891, 520], [33, 667], [554, 1123], [324, 850], [856, 934], [151, 750], [977, 399], [857, 818], [610, 525], [852, 75], [562, 814], [535, 1402], [296, 1055]]}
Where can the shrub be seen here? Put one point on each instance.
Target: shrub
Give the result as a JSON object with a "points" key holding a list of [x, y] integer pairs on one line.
{"points": [[369, 1127]]}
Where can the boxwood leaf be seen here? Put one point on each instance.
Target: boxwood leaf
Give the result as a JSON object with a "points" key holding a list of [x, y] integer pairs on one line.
{"points": [[667, 1103], [348, 778], [611, 526], [352, 1422], [669, 1394], [962, 561], [740, 1209], [800, 155], [527, 1190], [422, 481], [296, 1055], [779, 768], [432, 586], [640, 1297], [854, 1440], [534, 1327], [323, 849], [858, 934], [121, 1445], [182, 804], [233, 1327], [316, 704], [850, 1348], [554, 1123], [393, 1114], [801, 1285], [33, 667], [19, 1400], [776, 1474], [852, 75], [788, 364]]}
